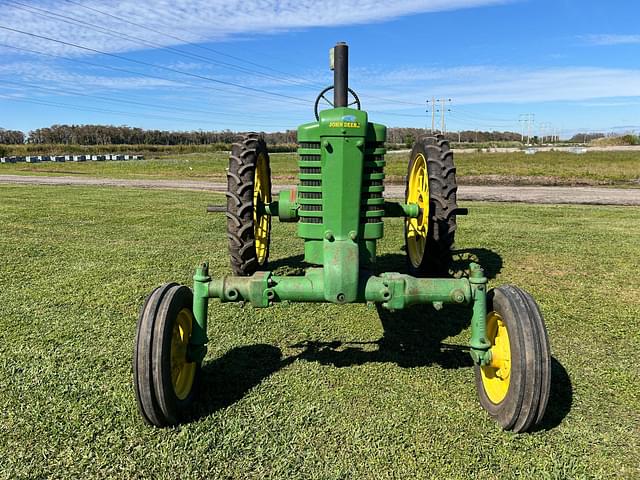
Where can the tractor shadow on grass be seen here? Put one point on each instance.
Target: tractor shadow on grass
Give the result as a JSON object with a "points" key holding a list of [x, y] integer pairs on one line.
{"points": [[412, 337], [226, 380], [560, 397]]}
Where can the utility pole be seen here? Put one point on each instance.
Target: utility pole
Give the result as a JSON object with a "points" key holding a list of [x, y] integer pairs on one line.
{"points": [[548, 128], [544, 129], [433, 113], [526, 120], [443, 110], [522, 119], [530, 121]]}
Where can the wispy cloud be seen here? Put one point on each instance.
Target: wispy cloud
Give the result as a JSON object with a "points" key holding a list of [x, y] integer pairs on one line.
{"points": [[52, 75], [490, 84], [610, 103], [610, 39], [200, 20]]}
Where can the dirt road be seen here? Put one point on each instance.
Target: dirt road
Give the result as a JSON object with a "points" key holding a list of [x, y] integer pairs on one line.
{"points": [[527, 194]]}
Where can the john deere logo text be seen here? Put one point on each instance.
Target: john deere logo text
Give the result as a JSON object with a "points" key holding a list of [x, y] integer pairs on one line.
{"points": [[344, 125]]}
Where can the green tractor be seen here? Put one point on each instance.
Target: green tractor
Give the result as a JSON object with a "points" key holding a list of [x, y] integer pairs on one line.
{"points": [[339, 209]]}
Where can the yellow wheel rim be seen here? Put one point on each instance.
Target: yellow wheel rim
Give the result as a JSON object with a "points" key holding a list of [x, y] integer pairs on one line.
{"points": [[495, 376], [261, 196], [417, 228], [182, 371]]}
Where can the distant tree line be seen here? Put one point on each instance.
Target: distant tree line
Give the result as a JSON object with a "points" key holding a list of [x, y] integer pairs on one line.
{"points": [[124, 135], [11, 137], [399, 135], [585, 137]]}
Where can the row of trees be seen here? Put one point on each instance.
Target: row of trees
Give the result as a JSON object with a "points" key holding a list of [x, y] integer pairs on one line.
{"points": [[408, 135], [11, 137], [585, 137], [121, 135], [124, 135]]}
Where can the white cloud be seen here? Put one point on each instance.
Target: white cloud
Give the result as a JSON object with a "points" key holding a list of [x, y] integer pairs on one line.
{"points": [[609, 103], [49, 75], [200, 20], [610, 39], [489, 84]]}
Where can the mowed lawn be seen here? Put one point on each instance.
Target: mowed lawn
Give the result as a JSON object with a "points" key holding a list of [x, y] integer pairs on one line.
{"points": [[302, 391], [547, 168]]}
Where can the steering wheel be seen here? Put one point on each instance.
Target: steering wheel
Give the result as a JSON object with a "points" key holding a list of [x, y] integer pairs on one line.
{"points": [[321, 96]]}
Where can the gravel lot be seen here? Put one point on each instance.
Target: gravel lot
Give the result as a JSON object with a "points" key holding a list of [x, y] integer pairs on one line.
{"points": [[499, 193]]}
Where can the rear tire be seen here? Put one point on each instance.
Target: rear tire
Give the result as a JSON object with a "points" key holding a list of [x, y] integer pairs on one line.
{"points": [[514, 389], [430, 237], [248, 190]]}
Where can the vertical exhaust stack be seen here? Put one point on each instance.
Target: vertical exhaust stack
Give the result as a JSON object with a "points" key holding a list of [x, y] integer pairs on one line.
{"points": [[340, 74]]}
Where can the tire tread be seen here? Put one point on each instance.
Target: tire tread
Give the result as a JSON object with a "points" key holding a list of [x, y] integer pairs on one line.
{"points": [[240, 187]]}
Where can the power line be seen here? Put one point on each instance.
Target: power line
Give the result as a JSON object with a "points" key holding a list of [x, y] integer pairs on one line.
{"points": [[91, 26], [487, 123], [161, 67], [395, 114], [141, 41], [117, 100], [116, 112], [481, 116], [131, 72], [183, 40]]}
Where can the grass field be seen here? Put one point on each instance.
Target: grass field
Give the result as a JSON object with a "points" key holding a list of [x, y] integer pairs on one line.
{"points": [[612, 168], [304, 391]]}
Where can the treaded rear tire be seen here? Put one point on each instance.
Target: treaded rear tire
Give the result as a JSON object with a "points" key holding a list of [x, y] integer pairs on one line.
{"points": [[436, 257], [243, 162]]}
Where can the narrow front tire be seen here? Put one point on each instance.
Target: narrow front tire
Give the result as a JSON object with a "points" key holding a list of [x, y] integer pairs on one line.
{"points": [[514, 387], [164, 376]]}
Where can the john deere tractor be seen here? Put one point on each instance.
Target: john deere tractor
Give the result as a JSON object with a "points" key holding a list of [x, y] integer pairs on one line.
{"points": [[339, 208]]}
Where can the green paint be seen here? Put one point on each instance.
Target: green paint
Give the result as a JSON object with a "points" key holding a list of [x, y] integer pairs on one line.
{"points": [[394, 209], [286, 206], [199, 339], [339, 207], [479, 343], [394, 291]]}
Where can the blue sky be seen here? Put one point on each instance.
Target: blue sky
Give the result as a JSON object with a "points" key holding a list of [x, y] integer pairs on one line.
{"points": [[258, 64]]}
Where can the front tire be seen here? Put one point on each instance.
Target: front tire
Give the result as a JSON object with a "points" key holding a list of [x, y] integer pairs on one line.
{"points": [[514, 388], [164, 378]]}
